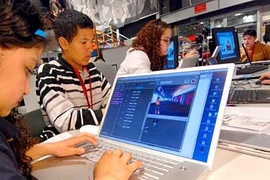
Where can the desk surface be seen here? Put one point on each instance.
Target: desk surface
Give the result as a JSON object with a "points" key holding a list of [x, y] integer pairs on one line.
{"points": [[236, 166], [227, 165]]}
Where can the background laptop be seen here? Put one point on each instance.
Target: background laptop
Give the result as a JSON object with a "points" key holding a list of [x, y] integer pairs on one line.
{"points": [[213, 59], [172, 54], [188, 62], [171, 118], [227, 39]]}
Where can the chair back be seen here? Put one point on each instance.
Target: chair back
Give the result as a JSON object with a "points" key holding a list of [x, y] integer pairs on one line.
{"points": [[36, 122], [108, 70]]}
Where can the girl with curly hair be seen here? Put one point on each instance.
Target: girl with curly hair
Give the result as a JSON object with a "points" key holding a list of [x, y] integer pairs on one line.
{"points": [[22, 41], [149, 49]]}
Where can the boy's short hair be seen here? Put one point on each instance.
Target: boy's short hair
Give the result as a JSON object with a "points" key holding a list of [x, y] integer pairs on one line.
{"points": [[67, 23], [250, 32]]}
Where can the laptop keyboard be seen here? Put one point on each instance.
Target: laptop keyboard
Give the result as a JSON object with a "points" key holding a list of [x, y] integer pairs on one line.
{"points": [[251, 69], [249, 96], [153, 167]]}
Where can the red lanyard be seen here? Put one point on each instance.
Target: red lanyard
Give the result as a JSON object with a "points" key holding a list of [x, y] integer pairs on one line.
{"points": [[90, 105], [252, 52]]}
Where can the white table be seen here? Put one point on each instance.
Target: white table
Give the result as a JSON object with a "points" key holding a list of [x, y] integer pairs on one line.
{"points": [[228, 165]]}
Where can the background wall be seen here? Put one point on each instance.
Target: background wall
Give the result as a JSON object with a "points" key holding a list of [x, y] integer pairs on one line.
{"points": [[110, 12]]}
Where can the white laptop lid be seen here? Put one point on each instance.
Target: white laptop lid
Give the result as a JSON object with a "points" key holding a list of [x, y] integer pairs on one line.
{"points": [[213, 59], [188, 62], [216, 51], [186, 123]]}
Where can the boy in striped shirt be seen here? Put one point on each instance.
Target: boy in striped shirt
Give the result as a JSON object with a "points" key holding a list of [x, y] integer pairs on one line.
{"points": [[70, 90]]}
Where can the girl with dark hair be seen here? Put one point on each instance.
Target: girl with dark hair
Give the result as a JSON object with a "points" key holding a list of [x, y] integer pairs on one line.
{"points": [[148, 50], [22, 42]]}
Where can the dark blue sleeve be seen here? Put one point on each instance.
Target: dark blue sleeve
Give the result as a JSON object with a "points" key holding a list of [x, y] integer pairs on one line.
{"points": [[8, 169]]}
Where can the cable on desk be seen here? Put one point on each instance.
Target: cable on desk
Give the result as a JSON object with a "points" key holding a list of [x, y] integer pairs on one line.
{"points": [[242, 82]]}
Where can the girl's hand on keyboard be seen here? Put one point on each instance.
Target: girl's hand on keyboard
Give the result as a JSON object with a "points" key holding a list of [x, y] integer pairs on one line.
{"points": [[66, 147], [115, 166]]}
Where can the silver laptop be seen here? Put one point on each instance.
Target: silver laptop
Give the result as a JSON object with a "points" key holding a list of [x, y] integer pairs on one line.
{"points": [[170, 120], [188, 62], [213, 59]]}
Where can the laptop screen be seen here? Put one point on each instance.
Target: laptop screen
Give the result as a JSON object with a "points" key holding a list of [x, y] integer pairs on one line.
{"points": [[227, 39], [173, 112], [172, 56]]}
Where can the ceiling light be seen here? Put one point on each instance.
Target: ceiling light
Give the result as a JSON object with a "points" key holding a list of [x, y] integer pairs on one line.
{"points": [[237, 14]]}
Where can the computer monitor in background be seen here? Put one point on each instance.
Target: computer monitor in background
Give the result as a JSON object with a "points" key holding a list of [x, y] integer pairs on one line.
{"points": [[266, 37], [172, 56], [227, 39]]}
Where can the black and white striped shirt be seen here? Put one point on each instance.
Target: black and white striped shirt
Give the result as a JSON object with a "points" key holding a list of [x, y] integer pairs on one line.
{"points": [[61, 97]]}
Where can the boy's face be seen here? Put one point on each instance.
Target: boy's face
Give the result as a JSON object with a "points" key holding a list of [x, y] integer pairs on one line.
{"points": [[78, 51], [249, 41]]}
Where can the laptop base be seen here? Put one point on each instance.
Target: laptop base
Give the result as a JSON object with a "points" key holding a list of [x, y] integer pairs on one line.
{"points": [[154, 166]]}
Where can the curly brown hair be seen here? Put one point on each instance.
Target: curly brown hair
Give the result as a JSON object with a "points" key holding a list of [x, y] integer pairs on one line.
{"points": [[19, 22], [148, 40], [21, 144]]}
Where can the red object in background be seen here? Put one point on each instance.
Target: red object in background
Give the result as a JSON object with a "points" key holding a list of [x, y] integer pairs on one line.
{"points": [[200, 8], [206, 55], [192, 38]]}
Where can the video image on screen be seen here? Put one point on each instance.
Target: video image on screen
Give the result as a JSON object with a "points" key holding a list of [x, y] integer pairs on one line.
{"points": [[172, 100], [227, 45]]}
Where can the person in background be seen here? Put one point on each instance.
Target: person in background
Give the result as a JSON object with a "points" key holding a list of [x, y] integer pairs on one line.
{"points": [[21, 45], [184, 39], [256, 50], [149, 50], [157, 108], [71, 91], [55, 8]]}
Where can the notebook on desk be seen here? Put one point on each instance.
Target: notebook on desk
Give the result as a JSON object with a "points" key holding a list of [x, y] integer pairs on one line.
{"points": [[170, 118]]}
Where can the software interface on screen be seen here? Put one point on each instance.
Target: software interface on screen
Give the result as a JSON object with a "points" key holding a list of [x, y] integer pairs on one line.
{"points": [[228, 48], [181, 107]]}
